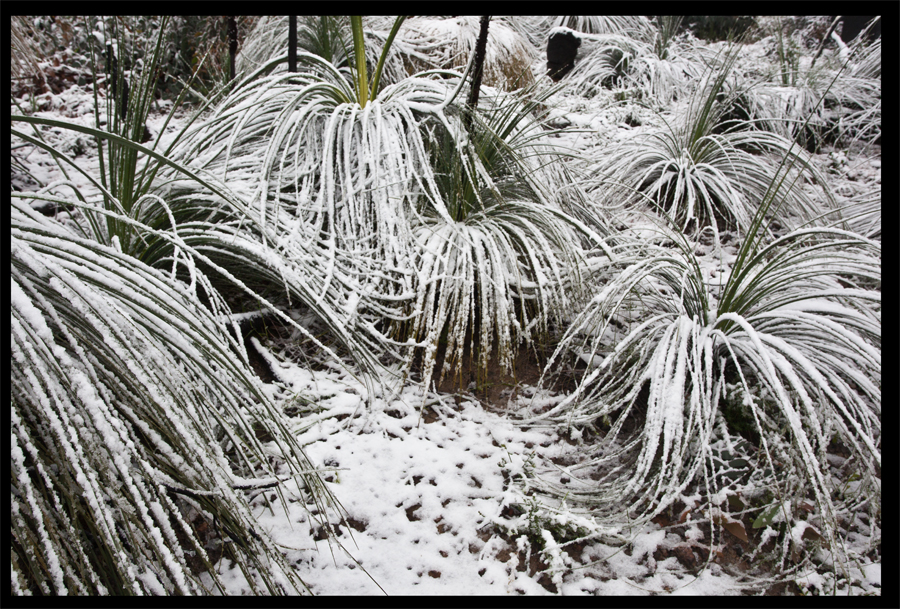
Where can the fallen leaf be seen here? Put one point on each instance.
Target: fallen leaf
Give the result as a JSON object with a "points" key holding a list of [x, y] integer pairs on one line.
{"points": [[736, 529], [766, 518], [814, 535], [660, 520]]}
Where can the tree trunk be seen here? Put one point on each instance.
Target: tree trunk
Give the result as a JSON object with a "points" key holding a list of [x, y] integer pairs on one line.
{"points": [[292, 44], [112, 66], [232, 46], [480, 49]]}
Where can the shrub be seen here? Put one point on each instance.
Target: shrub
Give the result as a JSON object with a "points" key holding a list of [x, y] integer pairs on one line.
{"points": [[696, 172], [797, 323], [127, 399]]}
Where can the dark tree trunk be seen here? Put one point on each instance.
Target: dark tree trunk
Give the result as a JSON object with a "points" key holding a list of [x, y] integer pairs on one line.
{"points": [[112, 66], [232, 46], [480, 49], [292, 44]]}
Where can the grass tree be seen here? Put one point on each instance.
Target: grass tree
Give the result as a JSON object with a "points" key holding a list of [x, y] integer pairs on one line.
{"points": [[330, 160], [504, 252], [133, 405], [764, 374], [655, 69], [701, 168], [129, 410]]}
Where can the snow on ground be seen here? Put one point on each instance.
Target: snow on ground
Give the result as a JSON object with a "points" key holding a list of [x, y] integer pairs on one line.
{"points": [[427, 492], [425, 499]]}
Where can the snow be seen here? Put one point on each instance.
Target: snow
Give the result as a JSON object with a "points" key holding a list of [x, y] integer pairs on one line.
{"points": [[427, 496], [424, 499]]}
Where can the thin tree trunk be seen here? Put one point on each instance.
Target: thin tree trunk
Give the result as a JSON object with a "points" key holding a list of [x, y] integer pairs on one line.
{"points": [[112, 63], [480, 49], [232, 46], [292, 44], [824, 40]]}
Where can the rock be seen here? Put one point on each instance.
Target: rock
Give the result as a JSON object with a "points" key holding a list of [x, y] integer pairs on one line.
{"points": [[561, 50]]}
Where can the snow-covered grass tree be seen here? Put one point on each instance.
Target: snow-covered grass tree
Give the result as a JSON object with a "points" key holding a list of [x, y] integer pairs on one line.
{"points": [[772, 369], [502, 253], [655, 68], [700, 168], [328, 159], [133, 405], [130, 409]]}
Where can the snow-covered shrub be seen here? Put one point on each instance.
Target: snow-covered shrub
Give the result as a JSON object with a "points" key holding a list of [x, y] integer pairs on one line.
{"points": [[428, 43], [696, 172], [114, 338], [326, 175], [127, 397], [797, 320]]}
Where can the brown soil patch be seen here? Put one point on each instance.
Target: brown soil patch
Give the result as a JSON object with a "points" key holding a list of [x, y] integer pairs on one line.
{"points": [[493, 385]]}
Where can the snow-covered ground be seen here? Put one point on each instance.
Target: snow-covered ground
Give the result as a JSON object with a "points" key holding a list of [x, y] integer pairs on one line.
{"points": [[429, 493], [427, 500], [428, 503]]}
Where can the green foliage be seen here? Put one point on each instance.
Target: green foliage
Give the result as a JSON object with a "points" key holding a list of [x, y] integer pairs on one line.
{"points": [[325, 36], [363, 92], [668, 27]]}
